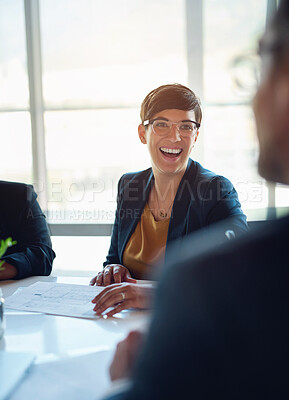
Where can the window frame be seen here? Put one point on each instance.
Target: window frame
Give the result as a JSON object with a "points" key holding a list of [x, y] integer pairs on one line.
{"points": [[194, 33]]}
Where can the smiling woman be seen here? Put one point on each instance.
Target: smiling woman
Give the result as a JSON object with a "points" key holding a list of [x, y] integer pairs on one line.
{"points": [[170, 147], [173, 198]]}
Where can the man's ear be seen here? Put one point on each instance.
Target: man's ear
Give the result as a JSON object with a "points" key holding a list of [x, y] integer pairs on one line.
{"points": [[281, 103], [282, 94], [142, 134]]}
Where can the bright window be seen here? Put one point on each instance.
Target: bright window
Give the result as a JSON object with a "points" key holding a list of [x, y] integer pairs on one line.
{"points": [[99, 59], [231, 33], [103, 57], [15, 131]]}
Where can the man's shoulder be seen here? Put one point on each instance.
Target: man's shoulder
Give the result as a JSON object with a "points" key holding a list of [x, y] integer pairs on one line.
{"points": [[209, 247], [13, 192], [15, 186], [210, 274]]}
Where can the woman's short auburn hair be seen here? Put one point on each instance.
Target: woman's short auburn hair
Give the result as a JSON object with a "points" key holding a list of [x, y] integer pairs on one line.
{"points": [[168, 97]]}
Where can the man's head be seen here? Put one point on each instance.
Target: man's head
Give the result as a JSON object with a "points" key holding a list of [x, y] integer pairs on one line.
{"points": [[167, 97], [271, 104]]}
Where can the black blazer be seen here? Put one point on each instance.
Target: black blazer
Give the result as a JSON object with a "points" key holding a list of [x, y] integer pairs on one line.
{"points": [[220, 327], [202, 199], [22, 219]]}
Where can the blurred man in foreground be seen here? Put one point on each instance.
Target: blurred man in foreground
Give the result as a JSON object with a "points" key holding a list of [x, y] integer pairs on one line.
{"points": [[225, 335]]}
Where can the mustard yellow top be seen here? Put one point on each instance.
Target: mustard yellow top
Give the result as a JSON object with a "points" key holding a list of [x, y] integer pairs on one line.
{"points": [[146, 245]]}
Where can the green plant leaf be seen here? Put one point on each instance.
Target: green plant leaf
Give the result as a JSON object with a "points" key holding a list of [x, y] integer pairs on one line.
{"points": [[3, 248]]}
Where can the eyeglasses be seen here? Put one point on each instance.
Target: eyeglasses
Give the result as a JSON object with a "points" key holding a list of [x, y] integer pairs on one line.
{"points": [[245, 70], [162, 126]]}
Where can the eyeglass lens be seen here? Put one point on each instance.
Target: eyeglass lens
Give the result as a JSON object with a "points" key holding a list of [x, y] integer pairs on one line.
{"points": [[162, 127]]}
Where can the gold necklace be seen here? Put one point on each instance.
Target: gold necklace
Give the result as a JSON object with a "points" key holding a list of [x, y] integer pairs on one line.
{"points": [[163, 213]]}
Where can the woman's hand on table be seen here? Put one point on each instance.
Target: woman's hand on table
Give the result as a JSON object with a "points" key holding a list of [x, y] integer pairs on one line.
{"points": [[122, 296], [112, 273]]}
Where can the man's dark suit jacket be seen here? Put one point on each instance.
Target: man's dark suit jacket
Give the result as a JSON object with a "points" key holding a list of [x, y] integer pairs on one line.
{"points": [[220, 329], [22, 219], [203, 198]]}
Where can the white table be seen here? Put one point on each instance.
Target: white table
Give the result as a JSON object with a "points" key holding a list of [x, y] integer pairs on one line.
{"points": [[50, 337]]}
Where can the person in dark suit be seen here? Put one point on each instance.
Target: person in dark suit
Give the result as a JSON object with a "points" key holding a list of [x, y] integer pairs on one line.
{"points": [[220, 327], [170, 200], [21, 219]]}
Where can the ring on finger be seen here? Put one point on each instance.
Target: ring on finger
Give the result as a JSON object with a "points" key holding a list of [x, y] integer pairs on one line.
{"points": [[123, 296]]}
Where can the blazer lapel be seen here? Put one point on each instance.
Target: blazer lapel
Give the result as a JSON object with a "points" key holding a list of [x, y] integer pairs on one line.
{"points": [[181, 206]]}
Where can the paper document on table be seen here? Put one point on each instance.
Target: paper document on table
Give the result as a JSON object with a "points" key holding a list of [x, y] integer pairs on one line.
{"points": [[81, 377], [55, 298]]}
